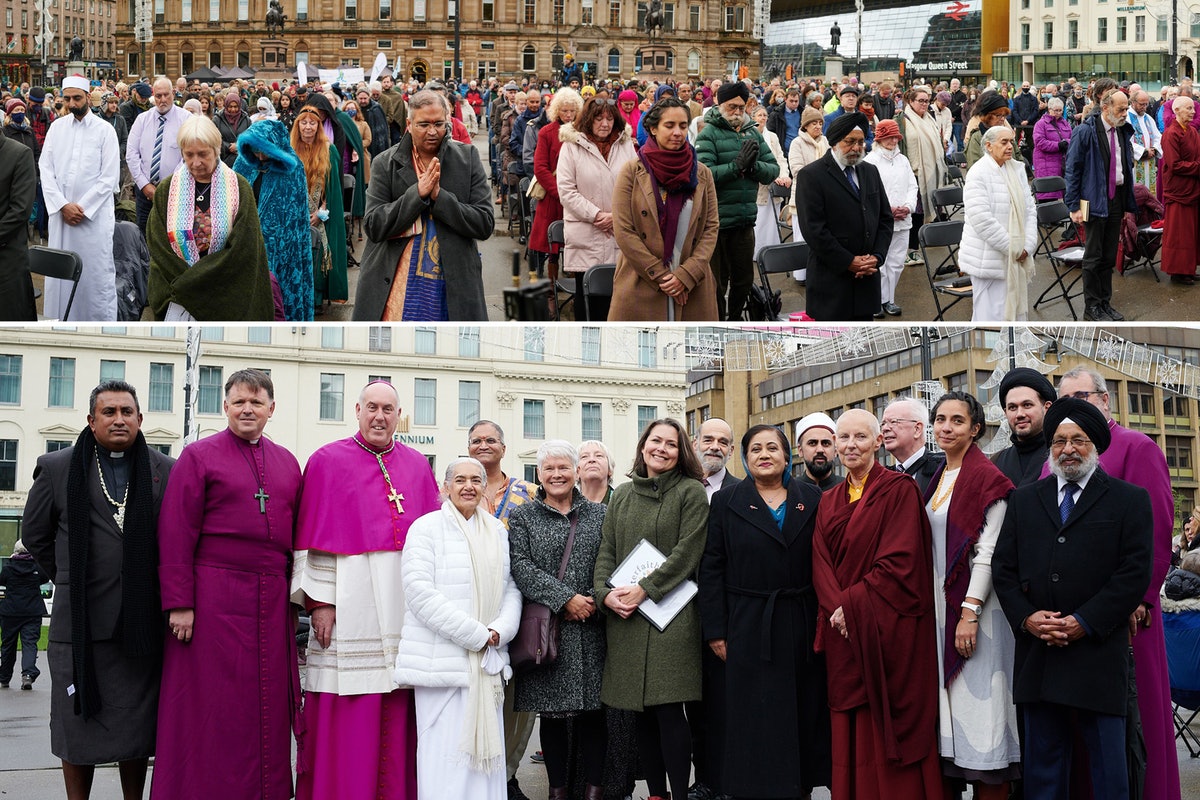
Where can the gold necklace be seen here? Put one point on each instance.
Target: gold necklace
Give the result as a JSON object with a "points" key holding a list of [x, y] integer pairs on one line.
{"points": [[393, 497], [939, 497], [119, 515]]}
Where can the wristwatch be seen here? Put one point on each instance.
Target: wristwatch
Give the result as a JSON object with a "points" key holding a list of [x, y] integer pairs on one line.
{"points": [[976, 607]]}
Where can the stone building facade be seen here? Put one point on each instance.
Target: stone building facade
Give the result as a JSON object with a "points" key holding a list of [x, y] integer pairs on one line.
{"points": [[22, 56], [506, 38]]}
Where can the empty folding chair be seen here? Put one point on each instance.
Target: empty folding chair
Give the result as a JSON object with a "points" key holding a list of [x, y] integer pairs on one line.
{"points": [[1048, 184], [953, 287], [1053, 218], [780, 197], [948, 201], [62, 264], [777, 259], [598, 290]]}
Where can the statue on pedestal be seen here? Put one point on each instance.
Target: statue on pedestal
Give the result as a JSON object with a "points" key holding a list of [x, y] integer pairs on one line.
{"points": [[275, 17], [76, 51], [654, 20], [835, 36]]}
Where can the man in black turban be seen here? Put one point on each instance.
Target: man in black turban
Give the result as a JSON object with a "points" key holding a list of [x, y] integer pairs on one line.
{"points": [[1071, 566], [846, 219], [1025, 394]]}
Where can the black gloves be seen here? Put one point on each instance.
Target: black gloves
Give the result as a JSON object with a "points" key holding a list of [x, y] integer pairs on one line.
{"points": [[1062, 146], [744, 160]]}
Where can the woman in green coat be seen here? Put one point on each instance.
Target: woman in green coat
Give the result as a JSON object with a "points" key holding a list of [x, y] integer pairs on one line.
{"points": [[649, 671]]}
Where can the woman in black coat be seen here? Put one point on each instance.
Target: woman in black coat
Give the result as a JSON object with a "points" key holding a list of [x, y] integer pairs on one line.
{"points": [[21, 613], [759, 610]]}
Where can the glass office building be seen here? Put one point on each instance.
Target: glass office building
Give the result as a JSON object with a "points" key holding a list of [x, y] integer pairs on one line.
{"points": [[922, 41]]}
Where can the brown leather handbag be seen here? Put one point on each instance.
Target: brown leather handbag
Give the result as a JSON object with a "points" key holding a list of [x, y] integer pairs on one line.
{"points": [[536, 642]]}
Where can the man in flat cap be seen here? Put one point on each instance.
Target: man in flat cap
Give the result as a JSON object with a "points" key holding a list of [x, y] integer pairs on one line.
{"points": [[1025, 394], [1071, 566], [848, 97], [846, 219], [734, 151]]}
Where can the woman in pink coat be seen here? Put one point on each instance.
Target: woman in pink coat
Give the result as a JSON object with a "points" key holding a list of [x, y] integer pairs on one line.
{"points": [[593, 152]]}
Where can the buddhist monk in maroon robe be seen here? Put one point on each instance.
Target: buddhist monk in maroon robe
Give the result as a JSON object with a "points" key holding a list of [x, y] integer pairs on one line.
{"points": [[872, 571], [1179, 177]]}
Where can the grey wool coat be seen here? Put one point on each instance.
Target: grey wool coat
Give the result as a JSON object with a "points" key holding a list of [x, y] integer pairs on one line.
{"points": [[537, 537], [646, 667], [462, 214]]}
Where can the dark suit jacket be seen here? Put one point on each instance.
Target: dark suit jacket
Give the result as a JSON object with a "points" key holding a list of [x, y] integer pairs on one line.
{"points": [[839, 225], [730, 479], [44, 533], [18, 186], [1097, 565], [1008, 461], [462, 214], [924, 468]]}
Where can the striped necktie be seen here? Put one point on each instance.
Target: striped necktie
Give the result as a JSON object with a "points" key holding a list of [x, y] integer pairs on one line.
{"points": [[1068, 501], [157, 158]]}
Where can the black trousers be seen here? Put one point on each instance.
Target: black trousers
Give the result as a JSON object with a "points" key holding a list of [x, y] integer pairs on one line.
{"points": [[733, 268], [143, 209], [1100, 252], [27, 629]]}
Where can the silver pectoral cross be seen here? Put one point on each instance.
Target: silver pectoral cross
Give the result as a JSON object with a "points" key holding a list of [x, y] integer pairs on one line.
{"points": [[262, 498]]}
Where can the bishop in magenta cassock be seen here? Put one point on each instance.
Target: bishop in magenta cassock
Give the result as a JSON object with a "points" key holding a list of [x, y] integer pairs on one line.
{"points": [[359, 498], [230, 687], [1134, 457], [1180, 182], [872, 569]]}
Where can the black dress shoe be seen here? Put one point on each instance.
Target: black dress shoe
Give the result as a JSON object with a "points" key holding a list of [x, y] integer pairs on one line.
{"points": [[1185, 280], [892, 310], [514, 791], [1095, 314], [1113, 314]]}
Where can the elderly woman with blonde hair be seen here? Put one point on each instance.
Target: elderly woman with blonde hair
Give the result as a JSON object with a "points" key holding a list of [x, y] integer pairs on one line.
{"points": [[1000, 232], [461, 610], [564, 107], [208, 261]]}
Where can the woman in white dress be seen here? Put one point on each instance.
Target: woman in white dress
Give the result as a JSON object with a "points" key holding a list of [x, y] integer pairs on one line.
{"points": [[461, 610], [766, 230], [966, 503]]}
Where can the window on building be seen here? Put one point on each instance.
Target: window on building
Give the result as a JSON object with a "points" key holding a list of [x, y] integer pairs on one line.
{"points": [[162, 387], [468, 341], [383, 44], [1024, 5], [243, 10], [614, 14], [379, 339], [385, 9], [54, 445], [468, 403], [160, 63], [208, 398], [301, 10], [1176, 407], [62, 382], [693, 62], [1049, 3], [530, 12], [165, 449], [425, 401], [489, 10], [187, 63], [8, 465], [160, 11], [535, 419], [1102, 30], [1141, 403], [351, 9], [214, 59], [1139, 28], [668, 16], [590, 345], [349, 44], [1122, 29], [646, 415], [1073, 34], [112, 370], [735, 18], [1179, 456], [186, 11], [332, 337], [558, 12], [10, 380], [694, 17], [585, 17], [425, 341], [1162, 30], [258, 334], [614, 60], [593, 426], [1195, 26], [333, 385], [418, 10], [535, 343], [1048, 35], [647, 349]]}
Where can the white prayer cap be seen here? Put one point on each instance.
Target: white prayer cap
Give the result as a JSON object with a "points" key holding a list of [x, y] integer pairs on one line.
{"points": [[76, 82], [817, 419]]}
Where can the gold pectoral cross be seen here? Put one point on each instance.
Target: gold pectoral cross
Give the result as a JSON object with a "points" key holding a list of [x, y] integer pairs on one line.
{"points": [[395, 497]]}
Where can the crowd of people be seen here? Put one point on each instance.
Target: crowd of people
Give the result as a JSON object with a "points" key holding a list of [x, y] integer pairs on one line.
{"points": [[903, 631], [682, 187]]}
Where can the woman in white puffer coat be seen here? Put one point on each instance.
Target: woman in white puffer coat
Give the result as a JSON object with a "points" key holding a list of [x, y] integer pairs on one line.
{"points": [[1000, 234], [900, 184], [461, 611]]}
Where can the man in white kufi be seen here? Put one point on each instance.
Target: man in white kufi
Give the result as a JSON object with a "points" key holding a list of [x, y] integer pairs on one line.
{"points": [[81, 171]]}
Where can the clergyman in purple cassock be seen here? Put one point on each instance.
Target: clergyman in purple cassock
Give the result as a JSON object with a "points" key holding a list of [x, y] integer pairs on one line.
{"points": [[360, 496], [230, 689]]}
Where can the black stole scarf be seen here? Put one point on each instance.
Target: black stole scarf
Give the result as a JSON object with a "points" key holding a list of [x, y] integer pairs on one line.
{"points": [[141, 620]]}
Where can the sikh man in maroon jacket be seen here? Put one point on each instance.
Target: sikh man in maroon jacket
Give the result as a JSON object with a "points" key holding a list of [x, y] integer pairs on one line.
{"points": [[872, 563]]}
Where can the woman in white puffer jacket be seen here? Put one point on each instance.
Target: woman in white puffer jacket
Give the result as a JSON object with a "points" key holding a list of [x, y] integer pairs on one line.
{"points": [[461, 611], [1000, 234], [900, 184]]}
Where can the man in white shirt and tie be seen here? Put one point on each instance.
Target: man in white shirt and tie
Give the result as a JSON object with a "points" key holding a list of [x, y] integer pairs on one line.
{"points": [[152, 150], [903, 427], [714, 446]]}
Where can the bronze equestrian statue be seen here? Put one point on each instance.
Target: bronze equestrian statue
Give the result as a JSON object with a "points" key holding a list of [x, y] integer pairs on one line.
{"points": [[275, 17]]}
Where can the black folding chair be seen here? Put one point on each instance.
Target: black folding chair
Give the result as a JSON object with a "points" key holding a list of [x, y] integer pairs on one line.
{"points": [[65, 265], [1064, 262], [598, 291], [955, 287], [348, 216], [948, 201], [780, 197], [1048, 184], [958, 158], [775, 259], [1053, 218], [557, 236], [954, 175]]}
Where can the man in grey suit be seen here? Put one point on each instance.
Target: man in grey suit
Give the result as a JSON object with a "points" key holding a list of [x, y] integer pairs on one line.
{"points": [[90, 522], [433, 192]]}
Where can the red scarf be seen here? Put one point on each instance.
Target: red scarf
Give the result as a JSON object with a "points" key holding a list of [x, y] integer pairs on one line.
{"points": [[980, 484], [673, 174]]}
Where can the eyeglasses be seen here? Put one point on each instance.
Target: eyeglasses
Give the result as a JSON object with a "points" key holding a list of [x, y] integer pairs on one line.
{"points": [[921, 100], [425, 126], [894, 422], [603, 101], [1077, 442], [854, 142], [1083, 395], [490, 442]]}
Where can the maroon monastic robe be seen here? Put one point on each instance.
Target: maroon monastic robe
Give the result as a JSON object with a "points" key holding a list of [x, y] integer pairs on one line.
{"points": [[1179, 177], [873, 558], [230, 696]]}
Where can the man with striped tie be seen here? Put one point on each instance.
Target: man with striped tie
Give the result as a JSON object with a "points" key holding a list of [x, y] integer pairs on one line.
{"points": [[152, 151]]}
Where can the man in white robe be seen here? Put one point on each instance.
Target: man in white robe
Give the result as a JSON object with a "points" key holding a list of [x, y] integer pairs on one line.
{"points": [[360, 496], [1146, 142], [81, 172]]}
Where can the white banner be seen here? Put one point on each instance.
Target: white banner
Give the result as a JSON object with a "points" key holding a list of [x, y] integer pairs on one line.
{"points": [[346, 76]]}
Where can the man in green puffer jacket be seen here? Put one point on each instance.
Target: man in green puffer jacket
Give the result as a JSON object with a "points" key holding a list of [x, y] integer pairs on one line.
{"points": [[734, 151]]}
